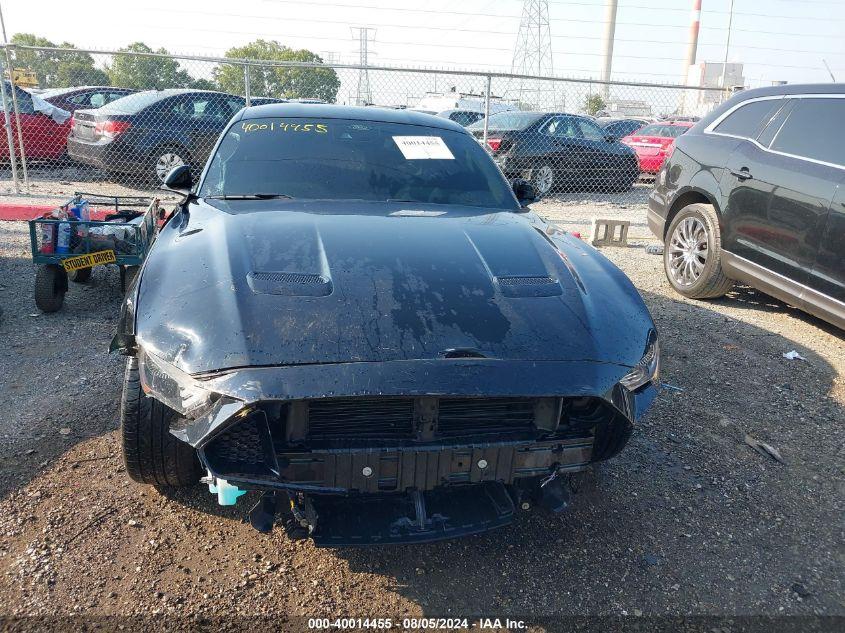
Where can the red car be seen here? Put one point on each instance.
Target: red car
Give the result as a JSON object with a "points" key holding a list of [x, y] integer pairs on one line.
{"points": [[654, 143], [44, 138]]}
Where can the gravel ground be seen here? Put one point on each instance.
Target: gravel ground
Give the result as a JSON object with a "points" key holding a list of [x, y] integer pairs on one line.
{"points": [[687, 520]]}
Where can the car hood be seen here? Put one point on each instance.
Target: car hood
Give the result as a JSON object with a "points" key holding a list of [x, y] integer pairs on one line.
{"points": [[271, 283]]}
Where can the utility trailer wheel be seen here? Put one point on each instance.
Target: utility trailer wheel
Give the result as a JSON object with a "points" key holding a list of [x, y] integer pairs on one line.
{"points": [[50, 287], [80, 275]]}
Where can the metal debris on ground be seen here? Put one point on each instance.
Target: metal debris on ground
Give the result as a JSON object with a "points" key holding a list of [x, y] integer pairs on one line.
{"points": [[767, 450], [654, 249], [793, 355]]}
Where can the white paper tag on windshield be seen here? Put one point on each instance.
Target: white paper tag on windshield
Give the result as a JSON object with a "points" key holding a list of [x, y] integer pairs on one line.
{"points": [[421, 147]]}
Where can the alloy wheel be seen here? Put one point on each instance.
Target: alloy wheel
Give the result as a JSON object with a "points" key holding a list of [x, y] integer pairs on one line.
{"points": [[544, 179], [688, 251], [165, 163]]}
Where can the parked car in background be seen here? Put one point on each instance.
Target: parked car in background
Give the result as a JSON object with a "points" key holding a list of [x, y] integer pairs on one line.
{"points": [[654, 142], [150, 132], [462, 117], [755, 193], [44, 128], [72, 99], [620, 128], [557, 150]]}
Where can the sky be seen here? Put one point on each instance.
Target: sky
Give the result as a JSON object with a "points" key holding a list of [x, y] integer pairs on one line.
{"points": [[775, 39]]}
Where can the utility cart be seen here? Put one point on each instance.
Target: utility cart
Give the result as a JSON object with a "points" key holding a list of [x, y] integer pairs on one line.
{"points": [[67, 244]]}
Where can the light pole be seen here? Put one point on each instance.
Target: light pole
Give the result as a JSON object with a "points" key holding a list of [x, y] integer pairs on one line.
{"points": [[727, 48]]}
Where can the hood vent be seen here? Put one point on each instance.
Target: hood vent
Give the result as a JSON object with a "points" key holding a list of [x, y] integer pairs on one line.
{"points": [[289, 284], [529, 286]]}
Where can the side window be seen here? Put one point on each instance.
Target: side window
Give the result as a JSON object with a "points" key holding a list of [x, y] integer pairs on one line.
{"points": [[814, 130], [80, 100], [97, 100], [590, 131], [114, 96], [236, 104], [775, 124], [747, 120], [563, 127]]}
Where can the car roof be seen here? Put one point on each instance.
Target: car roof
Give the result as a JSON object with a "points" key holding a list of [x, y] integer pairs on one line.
{"points": [[768, 91], [792, 89], [331, 111]]}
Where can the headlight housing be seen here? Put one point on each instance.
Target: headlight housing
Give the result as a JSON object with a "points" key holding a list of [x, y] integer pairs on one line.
{"points": [[175, 388], [648, 369]]}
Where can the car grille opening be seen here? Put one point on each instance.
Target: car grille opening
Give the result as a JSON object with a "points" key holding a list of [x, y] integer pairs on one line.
{"points": [[361, 418], [460, 417]]}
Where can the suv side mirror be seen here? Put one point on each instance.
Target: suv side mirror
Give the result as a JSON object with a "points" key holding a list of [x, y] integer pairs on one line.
{"points": [[179, 180], [524, 191]]}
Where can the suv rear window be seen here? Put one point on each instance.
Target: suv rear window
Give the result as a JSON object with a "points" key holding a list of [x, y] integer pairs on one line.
{"points": [[814, 130], [747, 120]]}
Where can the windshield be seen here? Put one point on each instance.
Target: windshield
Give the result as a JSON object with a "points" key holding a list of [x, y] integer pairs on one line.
{"points": [[341, 159], [505, 121]]}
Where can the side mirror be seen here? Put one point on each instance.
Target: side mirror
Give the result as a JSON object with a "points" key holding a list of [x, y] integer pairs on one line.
{"points": [[524, 191], [179, 180]]}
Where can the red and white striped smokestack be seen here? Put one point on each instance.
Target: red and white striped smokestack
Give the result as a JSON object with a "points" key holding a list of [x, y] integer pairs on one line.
{"points": [[695, 22]]}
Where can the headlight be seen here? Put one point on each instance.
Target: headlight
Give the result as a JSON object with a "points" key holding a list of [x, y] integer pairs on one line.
{"points": [[648, 369], [173, 387]]}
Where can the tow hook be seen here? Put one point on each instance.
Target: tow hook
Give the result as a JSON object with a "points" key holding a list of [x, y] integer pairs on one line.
{"points": [[298, 516], [554, 493]]}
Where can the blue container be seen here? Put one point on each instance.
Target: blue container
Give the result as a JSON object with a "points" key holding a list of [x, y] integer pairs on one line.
{"points": [[63, 239]]}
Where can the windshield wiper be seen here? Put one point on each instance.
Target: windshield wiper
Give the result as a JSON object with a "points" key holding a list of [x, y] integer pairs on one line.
{"points": [[252, 196]]}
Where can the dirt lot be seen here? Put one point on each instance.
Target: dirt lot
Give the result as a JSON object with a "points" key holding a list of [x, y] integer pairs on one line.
{"points": [[687, 520]]}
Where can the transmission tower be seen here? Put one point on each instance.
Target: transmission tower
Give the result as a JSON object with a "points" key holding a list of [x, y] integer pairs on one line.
{"points": [[532, 54], [364, 95]]}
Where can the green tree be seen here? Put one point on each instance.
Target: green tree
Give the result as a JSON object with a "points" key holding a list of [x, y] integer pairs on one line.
{"points": [[146, 73], [77, 69], [202, 84], [54, 69], [277, 81], [594, 103]]}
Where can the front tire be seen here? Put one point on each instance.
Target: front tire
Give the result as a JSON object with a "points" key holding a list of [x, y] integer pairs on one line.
{"points": [[151, 454], [692, 253]]}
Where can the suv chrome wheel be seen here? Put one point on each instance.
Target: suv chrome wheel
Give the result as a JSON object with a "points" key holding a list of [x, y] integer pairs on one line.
{"points": [[688, 251]]}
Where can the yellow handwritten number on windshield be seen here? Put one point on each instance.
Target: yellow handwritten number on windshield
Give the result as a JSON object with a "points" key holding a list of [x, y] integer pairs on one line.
{"points": [[272, 126]]}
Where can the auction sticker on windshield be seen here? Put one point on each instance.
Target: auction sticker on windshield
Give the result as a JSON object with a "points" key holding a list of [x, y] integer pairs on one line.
{"points": [[423, 147]]}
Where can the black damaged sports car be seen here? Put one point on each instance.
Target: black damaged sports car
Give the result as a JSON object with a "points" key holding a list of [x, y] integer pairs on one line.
{"points": [[352, 315]]}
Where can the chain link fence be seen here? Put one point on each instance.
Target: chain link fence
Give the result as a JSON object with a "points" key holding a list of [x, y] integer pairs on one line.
{"points": [[114, 123]]}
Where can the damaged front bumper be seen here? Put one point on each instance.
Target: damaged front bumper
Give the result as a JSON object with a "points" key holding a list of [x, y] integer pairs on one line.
{"points": [[336, 439]]}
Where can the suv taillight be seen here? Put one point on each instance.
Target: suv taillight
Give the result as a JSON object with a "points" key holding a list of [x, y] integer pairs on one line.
{"points": [[112, 128]]}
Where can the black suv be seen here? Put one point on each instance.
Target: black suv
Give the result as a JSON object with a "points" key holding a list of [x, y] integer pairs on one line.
{"points": [[755, 192]]}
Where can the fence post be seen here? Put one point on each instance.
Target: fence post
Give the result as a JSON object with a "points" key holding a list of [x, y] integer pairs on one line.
{"points": [[17, 119], [246, 84], [487, 109], [7, 123]]}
